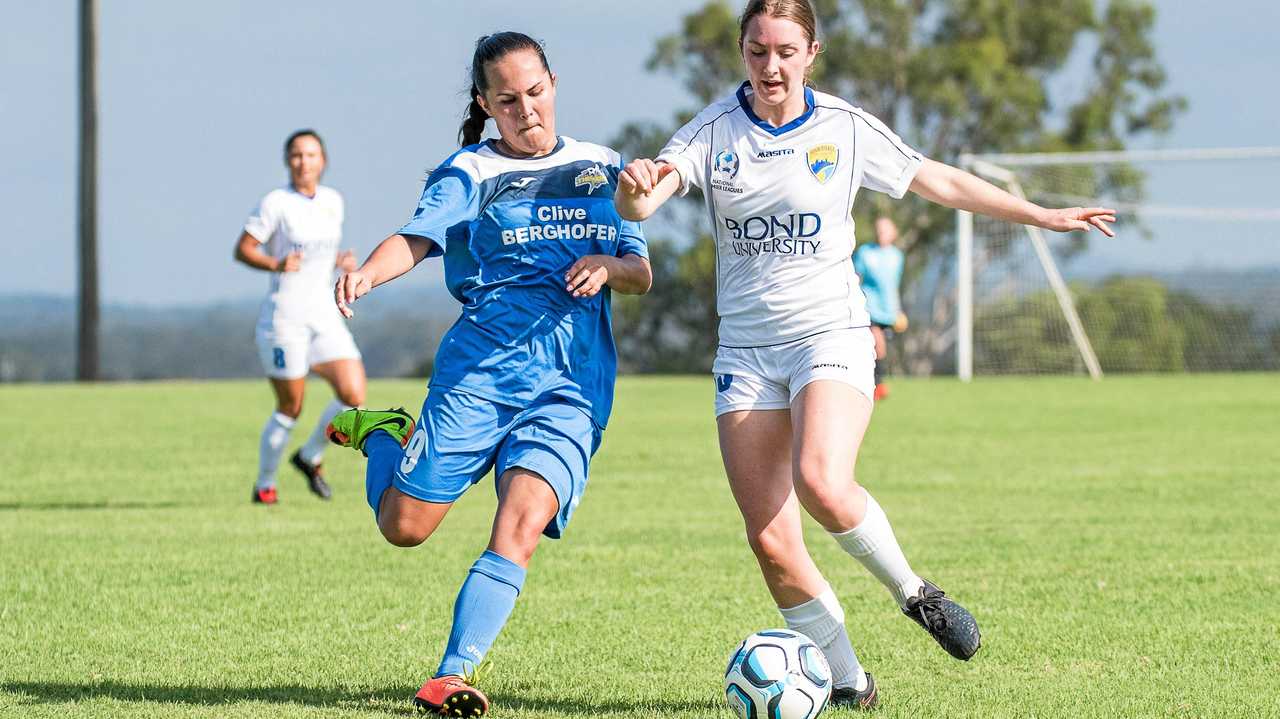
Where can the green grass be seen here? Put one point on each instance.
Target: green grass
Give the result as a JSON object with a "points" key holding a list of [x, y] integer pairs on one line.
{"points": [[1119, 543]]}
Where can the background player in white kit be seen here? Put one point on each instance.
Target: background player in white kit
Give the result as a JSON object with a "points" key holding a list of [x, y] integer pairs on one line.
{"points": [[294, 234], [779, 164]]}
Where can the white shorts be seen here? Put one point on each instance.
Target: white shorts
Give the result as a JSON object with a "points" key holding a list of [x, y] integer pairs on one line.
{"points": [[289, 349], [770, 377]]}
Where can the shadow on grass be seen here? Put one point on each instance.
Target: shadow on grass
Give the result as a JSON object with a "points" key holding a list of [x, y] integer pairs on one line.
{"points": [[393, 701], [77, 506], [648, 705]]}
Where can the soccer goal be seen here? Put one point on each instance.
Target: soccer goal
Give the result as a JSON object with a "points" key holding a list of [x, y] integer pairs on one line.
{"points": [[1191, 283]]}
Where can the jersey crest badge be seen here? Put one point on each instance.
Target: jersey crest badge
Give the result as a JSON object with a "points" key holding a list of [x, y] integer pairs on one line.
{"points": [[593, 177], [726, 164], [822, 160]]}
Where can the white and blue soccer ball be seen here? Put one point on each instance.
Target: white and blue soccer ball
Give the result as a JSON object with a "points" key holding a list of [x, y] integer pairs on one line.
{"points": [[777, 674]]}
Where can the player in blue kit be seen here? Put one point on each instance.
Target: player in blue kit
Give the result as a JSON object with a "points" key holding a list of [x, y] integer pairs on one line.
{"points": [[523, 381], [879, 268]]}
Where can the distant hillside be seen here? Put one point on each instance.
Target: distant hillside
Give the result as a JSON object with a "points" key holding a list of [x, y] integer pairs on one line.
{"points": [[1258, 290], [397, 329]]}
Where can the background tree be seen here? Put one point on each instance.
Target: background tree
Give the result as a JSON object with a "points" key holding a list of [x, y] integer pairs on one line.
{"points": [[950, 76]]}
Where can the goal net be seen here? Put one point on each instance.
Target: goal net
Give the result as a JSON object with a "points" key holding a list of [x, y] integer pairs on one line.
{"points": [[1191, 283]]}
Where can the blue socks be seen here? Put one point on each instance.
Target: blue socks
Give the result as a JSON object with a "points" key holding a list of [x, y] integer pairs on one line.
{"points": [[480, 611], [487, 596], [383, 452]]}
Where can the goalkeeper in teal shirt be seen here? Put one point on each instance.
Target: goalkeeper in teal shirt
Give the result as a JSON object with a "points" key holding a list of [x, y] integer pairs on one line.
{"points": [[879, 268]]}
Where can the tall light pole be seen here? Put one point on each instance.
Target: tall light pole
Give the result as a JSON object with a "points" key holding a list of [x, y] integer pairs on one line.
{"points": [[87, 317]]}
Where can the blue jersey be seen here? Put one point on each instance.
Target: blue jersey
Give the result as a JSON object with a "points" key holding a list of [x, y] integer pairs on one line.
{"points": [[509, 228], [881, 271]]}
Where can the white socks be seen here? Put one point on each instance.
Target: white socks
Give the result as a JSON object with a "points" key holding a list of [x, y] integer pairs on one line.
{"points": [[313, 451], [275, 437], [872, 543], [822, 620]]}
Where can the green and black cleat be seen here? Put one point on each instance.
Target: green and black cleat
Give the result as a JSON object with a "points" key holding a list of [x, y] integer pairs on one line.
{"points": [[351, 427]]}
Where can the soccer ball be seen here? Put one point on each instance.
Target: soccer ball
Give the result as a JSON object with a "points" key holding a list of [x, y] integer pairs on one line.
{"points": [[777, 674]]}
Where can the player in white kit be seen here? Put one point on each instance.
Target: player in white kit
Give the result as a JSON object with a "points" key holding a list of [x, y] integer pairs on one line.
{"points": [[294, 234], [778, 164]]}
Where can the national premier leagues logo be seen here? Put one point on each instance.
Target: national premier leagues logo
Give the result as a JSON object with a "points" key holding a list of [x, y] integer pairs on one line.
{"points": [[822, 160], [593, 177], [726, 164]]}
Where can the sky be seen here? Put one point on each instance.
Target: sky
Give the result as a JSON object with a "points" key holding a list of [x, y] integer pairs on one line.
{"points": [[196, 100]]}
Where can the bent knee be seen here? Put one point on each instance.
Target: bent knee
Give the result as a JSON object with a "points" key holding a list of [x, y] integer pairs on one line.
{"points": [[836, 505], [403, 531], [352, 398]]}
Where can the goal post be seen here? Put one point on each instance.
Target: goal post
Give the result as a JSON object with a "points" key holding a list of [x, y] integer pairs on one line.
{"points": [[1191, 284]]}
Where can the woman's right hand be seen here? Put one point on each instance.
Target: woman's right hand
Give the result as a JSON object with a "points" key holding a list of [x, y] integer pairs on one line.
{"points": [[350, 287], [635, 198], [641, 175]]}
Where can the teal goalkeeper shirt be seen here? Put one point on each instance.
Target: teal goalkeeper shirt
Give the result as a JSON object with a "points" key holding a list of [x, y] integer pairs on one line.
{"points": [[880, 271]]}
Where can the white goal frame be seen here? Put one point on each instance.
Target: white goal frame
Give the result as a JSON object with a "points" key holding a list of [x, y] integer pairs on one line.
{"points": [[1001, 170]]}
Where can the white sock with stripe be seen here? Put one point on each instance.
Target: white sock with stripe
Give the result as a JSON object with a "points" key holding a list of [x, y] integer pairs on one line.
{"points": [[313, 451], [275, 437], [872, 543], [822, 620]]}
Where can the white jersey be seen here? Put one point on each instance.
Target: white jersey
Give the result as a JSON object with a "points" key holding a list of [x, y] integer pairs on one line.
{"points": [[780, 201], [289, 221]]}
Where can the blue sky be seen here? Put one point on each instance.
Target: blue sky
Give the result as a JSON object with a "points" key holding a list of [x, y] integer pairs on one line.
{"points": [[196, 99]]}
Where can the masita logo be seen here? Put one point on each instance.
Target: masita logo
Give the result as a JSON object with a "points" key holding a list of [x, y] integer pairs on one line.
{"points": [[822, 161], [593, 177], [770, 154]]}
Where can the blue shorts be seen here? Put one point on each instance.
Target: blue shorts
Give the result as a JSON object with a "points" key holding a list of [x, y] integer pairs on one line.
{"points": [[461, 437]]}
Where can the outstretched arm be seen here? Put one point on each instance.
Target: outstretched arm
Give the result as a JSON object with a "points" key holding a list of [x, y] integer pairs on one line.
{"points": [[643, 187], [392, 257], [952, 187]]}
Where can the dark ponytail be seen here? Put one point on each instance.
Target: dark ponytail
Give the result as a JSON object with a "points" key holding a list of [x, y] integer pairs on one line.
{"points": [[491, 48], [473, 124]]}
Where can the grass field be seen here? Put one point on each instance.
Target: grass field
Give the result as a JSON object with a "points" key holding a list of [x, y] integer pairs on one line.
{"points": [[1119, 543]]}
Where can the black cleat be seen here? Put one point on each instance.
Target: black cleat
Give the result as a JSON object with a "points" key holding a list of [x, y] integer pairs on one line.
{"points": [[851, 698], [315, 477], [949, 623]]}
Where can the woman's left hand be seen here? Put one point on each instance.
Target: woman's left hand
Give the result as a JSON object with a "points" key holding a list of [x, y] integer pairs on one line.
{"points": [[1081, 219], [588, 275]]}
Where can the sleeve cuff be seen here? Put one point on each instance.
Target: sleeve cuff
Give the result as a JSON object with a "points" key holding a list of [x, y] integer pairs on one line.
{"points": [[903, 183], [437, 243], [682, 166]]}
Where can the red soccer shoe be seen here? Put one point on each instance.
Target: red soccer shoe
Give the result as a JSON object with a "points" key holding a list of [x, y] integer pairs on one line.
{"points": [[264, 496], [450, 696]]}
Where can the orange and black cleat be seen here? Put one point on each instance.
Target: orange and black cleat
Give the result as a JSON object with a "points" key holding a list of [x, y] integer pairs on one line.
{"points": [[451, 696]]}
